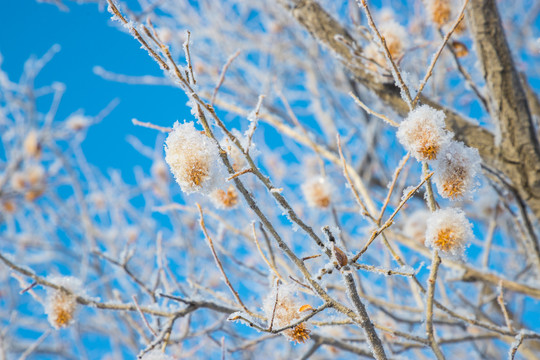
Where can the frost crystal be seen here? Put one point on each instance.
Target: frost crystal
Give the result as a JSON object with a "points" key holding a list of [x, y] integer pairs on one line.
{"points": [[317, 192], [448, 231], [193, 159], [423, 133], [455, 170]]}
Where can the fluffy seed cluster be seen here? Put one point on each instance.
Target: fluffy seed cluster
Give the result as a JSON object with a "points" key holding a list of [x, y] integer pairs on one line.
{"points": [[285, 311], [423, 133], [396, 40], [193, 159], [415, 225], [455, 170], [440, 11], [60, 305], [317, 192], [225, 199], [448, 231]]}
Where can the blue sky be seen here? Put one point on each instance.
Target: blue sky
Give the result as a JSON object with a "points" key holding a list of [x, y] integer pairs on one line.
{"points": [[87, 39]]}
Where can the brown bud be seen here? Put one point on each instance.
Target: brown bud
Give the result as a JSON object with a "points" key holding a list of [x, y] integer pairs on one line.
{"points": [[341, 257]]}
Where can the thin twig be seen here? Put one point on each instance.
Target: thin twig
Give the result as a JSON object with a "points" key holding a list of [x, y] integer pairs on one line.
{"points": [[365, 322], [151, 126], [255, 121], [392, 185], [389, 221], [274, 308], [436, 260], [396, 73], [143, 317], [438, 53], [35, 345], [353, 188], [515, 346], [372, 112], [218, 262], [500, 301], [272, 267], [188, 58], [242, 172], [222, 76]]}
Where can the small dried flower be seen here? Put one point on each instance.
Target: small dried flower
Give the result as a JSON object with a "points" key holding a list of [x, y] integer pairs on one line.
{"points": [[18, 181], [455, 170], [284, 311], [299, 333], [448, 231], [225, 199], [61, 305], [9, 206], [317, 192], [194, 159], [440, 11], [423, 133], [30, 180], [460, 49]]}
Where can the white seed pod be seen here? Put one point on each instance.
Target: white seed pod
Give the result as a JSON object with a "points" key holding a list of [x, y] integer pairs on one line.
{"points": [[455, 170], [423, 133], [449, 231], [282, 308], [60, 306], [317, 192], [194, 159]]}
